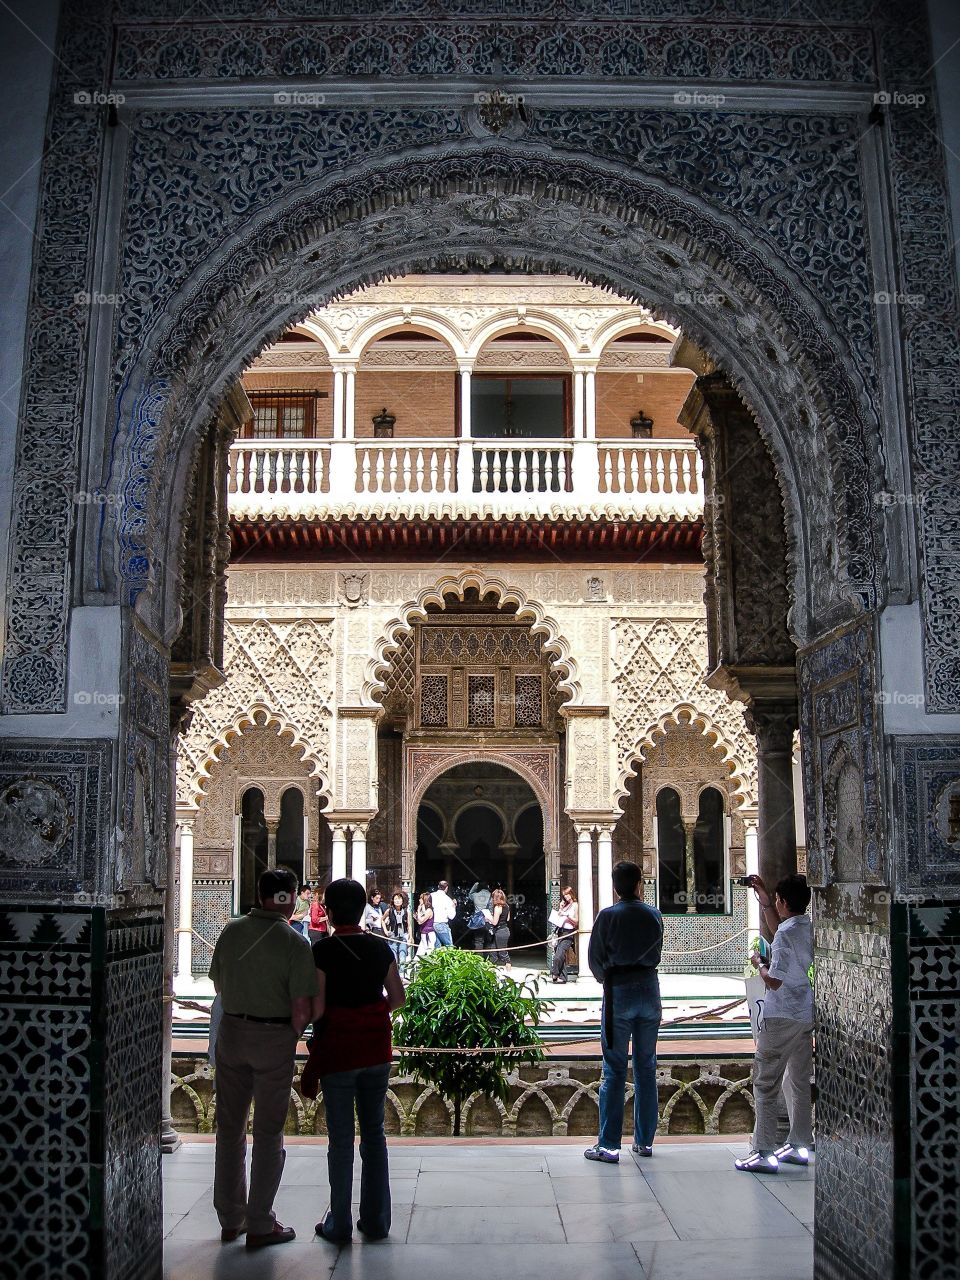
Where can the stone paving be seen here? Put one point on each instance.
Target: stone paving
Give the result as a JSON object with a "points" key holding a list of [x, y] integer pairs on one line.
{"points": [[469, 1210]]}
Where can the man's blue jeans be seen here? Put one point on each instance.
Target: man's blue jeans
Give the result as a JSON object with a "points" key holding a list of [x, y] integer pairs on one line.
{"points": [[444, 936], [636, 1017], [366, 1089]]}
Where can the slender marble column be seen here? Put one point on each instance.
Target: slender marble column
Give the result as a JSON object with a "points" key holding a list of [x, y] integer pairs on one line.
{"points": [[359, 853], [585, 878], [604, 867], [185, 927], [338, 861]]}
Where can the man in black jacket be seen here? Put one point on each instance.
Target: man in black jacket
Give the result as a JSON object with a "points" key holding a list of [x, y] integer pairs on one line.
{"points": [[625, 948]]}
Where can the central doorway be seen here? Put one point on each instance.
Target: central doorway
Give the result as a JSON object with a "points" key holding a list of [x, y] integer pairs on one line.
{"points": [[480, 825]]}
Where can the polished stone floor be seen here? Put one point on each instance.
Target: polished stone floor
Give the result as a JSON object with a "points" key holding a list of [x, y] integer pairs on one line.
{"points": [[472, 1210]]}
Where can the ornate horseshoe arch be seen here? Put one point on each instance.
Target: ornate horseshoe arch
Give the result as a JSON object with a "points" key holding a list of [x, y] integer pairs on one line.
{"points": [[525, 208]]}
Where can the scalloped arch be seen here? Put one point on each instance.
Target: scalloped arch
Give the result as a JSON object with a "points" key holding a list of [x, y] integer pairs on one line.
{"points": [[684, 713], [555, 643], [251, 719]]}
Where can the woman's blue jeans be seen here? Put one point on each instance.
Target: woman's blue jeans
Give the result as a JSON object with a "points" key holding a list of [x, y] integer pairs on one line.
{"points": [[366, 1089], [636, 1016]]}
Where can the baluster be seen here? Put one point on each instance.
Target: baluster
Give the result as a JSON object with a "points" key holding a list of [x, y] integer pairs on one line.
{"points": [[379, 471], [418, 470], [365, 471], [673, 472], [660, 487], [646, 484], [432, 470]]}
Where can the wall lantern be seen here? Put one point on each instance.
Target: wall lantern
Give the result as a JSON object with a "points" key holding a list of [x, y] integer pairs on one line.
{"points": [[641, 428], [383, 424]]}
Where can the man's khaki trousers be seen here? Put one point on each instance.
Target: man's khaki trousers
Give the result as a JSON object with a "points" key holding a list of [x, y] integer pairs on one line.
{"points": [[784, 1058], [255, 1062]]}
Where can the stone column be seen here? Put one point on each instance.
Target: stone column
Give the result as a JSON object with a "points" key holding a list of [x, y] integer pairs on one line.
{"points": [[774, 724], [337, 428], [338, 859], [358, 862], [689, 867], [590, 405], [185, 927], [310, 869], [466, 426], [752, 858], [510, 851], [578, 406], [272, 825], [349, 404], [585, 876], [604, 867]]}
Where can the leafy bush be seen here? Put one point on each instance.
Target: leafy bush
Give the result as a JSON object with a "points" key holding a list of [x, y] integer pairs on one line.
{"points": [[458, 1001]]}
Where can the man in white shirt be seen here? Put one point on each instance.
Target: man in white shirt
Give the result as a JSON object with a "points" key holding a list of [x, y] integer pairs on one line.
{"points": [[444, 912], [784, 1053]]}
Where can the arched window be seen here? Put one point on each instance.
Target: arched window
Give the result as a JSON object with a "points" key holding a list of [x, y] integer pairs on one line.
{"points": [[252, 853], [709, 854], [671, 872], [290, 832]]}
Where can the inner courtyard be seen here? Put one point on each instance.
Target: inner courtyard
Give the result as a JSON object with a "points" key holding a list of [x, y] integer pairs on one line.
{"points": [[479, 443]]}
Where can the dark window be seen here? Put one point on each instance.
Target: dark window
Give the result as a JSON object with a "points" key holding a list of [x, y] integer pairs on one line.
{"points": [[283, 415], [528, 407], [671, 872]]}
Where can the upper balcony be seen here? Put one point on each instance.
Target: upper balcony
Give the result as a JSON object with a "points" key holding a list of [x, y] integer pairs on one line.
{"points": [[310, 479]]}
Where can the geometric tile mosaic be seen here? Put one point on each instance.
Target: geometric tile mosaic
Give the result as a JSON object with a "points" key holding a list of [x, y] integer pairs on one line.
{"points": [[80, 1050], [928, 808]]}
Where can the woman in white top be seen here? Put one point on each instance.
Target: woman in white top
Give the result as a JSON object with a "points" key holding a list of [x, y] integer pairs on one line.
{"points": [[569, 909]]}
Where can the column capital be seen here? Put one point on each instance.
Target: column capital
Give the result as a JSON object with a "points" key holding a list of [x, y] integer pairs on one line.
{"points": [[774, 722]]}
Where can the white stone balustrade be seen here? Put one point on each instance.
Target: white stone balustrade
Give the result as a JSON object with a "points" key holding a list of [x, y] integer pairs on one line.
{"points": [[286, 479]]}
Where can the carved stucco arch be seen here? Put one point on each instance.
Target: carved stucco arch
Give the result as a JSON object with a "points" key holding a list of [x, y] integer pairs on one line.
{"points": [[682, 716], [529, 611], [513, 762], [615, 328], [532, 209], [258, 716], [534, 319], [395, 319], [319, 333]]}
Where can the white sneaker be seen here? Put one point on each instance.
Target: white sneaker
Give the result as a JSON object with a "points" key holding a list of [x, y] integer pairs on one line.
{"points": [[758, 1162], [788, 1154]]}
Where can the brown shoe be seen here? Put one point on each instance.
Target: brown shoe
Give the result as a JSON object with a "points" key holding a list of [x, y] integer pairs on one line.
{"points": [[229, 1234], [279, 1235]]}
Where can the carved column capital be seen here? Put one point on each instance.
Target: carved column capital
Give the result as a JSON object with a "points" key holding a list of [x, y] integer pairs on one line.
{"points": [[774, 724]]}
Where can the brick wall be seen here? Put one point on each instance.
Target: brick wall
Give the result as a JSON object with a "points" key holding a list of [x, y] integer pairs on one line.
{"points": [[659, 395], [422, 402]]}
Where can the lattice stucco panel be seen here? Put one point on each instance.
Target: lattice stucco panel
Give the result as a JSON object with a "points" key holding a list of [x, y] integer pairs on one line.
{"points": [[658, 667], [285, 667]]}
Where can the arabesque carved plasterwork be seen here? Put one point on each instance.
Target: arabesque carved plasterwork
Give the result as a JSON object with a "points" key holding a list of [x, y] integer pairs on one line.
{"points": [[658, 671], [259, 756], [285, 668]]}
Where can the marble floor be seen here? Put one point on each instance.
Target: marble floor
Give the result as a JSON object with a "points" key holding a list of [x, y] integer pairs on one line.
{"points": [[474, 1209]]}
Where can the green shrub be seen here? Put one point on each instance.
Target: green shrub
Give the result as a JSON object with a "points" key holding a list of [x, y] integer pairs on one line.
{"points": [[458, 1001]]}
